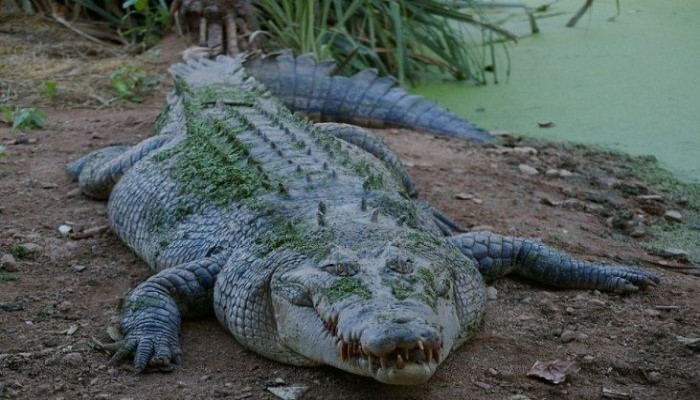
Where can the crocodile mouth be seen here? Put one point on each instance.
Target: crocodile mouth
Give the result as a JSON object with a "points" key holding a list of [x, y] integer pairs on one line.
{"points": [[407, 363]]}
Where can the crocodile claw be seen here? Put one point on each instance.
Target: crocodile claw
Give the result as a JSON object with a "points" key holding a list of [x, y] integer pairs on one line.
{"points": [[220, 26], [149, 353], [630, 280]]}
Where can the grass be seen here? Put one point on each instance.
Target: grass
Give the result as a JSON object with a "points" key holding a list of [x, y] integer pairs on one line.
{"points": [[23, 118], [403, 38], [130, 82]]}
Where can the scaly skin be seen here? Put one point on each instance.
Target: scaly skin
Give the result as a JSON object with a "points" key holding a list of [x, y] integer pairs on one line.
{"points": [[303, 239]]}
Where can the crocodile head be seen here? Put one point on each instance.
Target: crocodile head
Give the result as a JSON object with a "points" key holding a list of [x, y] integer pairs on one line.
{"points": [[390, 311]]}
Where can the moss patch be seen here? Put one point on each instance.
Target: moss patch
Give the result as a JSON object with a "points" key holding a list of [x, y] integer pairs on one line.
{"points": [[213, 164], [7, 277], [344, 287]]}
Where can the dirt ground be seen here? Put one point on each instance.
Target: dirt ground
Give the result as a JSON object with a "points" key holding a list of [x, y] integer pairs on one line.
{"points": [[64, 293]]}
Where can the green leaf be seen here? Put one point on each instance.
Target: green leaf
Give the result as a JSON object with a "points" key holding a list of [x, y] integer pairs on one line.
{"points": [[27, 118]]}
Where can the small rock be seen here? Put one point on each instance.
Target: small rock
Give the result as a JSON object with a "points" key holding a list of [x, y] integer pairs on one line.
{"points": [[653, 377], [492, 371], [463, 196], [596, 302], [614, 394], [581, 337], [638, 232], [51, 341], [73, 359], [650, 197], [483, 385], [564, 173], [65, 230], [29, 247], [673, 216], [79, 268], [650, 312], [288, 392], [64, 306], [678, 254], [588, 359], [491, 293], [525, 150], [18, 304], [527, 170], [570, 310], [8, 263], [567, 336], [551, 172]]}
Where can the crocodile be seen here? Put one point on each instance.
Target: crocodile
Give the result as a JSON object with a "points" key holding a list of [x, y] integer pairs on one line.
{"points": [[306, 240]]}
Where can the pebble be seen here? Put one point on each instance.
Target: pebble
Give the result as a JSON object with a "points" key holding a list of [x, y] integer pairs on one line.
{"points": [[525, 150], [638, 232], [653, 377], [288, 392], [79, 268], [673, 216], [588, 359], [65, 230], [30, 247], [567, 336], [675, 253], [8, 263], [570, 310], [596, 302], [650, 312], [72, 359], [562, 173], [64, 306], [491, 293], [528, 170]]}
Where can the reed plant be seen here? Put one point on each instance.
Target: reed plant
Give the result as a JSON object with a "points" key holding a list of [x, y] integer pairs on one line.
{"points": [[403, 38]]}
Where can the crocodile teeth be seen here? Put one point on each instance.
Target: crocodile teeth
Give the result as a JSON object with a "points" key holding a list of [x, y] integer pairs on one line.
{"points": [[405, 353], [420, 345], [429, 355], [383, 362], [436, 354], [341, 349], [399, 362]]}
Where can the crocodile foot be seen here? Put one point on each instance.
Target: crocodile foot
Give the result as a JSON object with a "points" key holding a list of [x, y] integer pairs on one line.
{"points": [[152, 351], [215, 26]]}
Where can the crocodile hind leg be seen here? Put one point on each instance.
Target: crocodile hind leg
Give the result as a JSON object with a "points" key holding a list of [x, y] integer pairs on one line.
{"points": [[152, 312], [496, 255], [216, 26], [98, 171]]}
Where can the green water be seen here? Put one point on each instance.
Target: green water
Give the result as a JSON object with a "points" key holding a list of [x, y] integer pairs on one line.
{"points": [[632, 84]]}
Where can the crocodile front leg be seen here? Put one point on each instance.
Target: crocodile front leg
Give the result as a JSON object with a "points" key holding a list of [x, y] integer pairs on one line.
{"points": [[152, 312], [98, 171], [497, 255]]}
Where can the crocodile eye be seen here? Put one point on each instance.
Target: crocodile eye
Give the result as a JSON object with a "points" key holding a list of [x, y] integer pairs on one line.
{"points": [[341, 268], [296, 295], [401, 265]]}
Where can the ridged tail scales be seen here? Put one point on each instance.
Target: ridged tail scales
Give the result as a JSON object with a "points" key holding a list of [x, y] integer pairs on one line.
{"points": [[365, 98]]}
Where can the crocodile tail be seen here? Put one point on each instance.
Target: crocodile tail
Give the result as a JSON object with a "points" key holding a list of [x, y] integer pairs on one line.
{"points": [[205, 72], [365, 99]]}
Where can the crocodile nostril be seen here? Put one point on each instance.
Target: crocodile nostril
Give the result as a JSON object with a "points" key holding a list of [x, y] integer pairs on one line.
{"points": [[401, 320]]}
